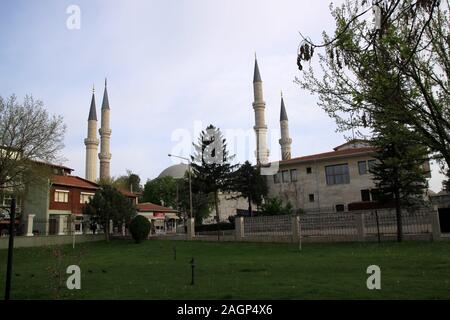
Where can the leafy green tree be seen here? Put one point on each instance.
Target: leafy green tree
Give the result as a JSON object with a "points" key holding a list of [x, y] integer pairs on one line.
{"points": [[274, 206], [202, 203], [131, 182], [211, 165], [446, 183], [162, 191], [29, 137], [399, 174], [410, 39], [250, 184], [109, 204]]}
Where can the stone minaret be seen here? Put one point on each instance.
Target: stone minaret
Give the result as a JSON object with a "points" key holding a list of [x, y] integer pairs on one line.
{"points": [[105, 136], [262, 153], [285, 141], [91, 143]]}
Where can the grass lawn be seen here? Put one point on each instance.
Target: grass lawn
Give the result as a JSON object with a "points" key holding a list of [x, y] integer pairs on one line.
{"points": [[124, 270]]}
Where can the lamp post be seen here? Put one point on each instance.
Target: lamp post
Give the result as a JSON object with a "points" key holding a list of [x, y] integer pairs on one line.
{"points": [[190, 180]]}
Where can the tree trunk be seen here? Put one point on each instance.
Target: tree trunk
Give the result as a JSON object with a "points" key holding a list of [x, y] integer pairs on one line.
{"points": [[398, 212], [216, 203], [250, 211], [107, 228]]}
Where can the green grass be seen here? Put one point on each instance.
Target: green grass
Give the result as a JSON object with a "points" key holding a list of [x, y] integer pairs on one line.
{"points": [[124, 270]]}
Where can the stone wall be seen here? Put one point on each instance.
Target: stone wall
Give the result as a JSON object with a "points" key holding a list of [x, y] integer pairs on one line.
{"points": [[20, 242]]}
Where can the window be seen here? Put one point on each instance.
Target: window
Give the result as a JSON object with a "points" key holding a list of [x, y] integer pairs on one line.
{"points": [[85, 197], [276, 178], [294, 175], [311, 197], [309, 170], [362, 167], [285, 174], [365, 195], [371, 164], [337, 174], [7, 198], [340, 207], [374, 193], [61, 196]]}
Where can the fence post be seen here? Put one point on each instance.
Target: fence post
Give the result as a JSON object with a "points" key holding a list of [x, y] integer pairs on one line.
{"points": [[435, 224], [30, 225], [60, 221], [191, 228], [123, 229], [295, 225], [359, 224], [239, 228]]}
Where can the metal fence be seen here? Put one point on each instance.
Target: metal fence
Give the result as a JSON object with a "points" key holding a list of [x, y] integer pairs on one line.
{"points": [[385, 222]]}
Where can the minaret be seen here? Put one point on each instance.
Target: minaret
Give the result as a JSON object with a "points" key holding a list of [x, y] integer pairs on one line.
{"points": [[91, 142], [262, 153], [105, 136], [285, 141]]}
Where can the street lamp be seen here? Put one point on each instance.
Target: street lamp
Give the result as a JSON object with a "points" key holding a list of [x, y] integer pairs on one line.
{"points": [[190, 180]]}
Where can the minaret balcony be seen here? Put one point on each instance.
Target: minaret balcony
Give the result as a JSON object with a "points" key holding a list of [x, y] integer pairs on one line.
{"points": [[91, 141]]}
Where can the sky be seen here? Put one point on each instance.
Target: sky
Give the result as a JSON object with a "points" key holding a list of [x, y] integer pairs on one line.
{"points": [[173, 67]]}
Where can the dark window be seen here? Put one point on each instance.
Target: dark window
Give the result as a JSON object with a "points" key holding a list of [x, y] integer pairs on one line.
{"points": [[374, 194], [294, 175], [309, 170], [365, 195], [371, 164], [311, 198], [362, 167], [276, 178], [285, 176], [337, 174], [340, 207]]}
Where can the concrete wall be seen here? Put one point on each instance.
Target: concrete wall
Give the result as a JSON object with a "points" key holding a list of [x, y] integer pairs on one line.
{"points": [[36, 201], [20, 242]]}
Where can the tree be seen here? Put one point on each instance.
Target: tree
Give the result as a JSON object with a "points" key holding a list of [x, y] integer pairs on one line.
{"points": [[139, 228], [131, 182], [274, 206], [211, 164], [29, 138], [399, 173], [411, 39], [109, 204], [250, 184], [162, 191], [202, 203], [446, 183]]}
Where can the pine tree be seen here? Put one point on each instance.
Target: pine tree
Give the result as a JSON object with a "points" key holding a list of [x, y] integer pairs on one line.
{"points": [[398, 173], [211, 164]]}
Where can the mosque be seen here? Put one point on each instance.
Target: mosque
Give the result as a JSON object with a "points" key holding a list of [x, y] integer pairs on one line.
{"points": [[333, 181]]}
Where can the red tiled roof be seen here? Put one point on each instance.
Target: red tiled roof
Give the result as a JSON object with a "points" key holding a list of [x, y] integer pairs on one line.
{"points": [[151, 207], [331, 154], [53, 165], [74, 181], [127, 193]]}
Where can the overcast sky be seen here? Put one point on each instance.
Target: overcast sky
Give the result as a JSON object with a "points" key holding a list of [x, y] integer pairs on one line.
{"points": [[173, 67]]}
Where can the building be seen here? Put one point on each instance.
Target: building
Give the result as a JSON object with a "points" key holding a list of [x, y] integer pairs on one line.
{"points": [[327, 181], [53, 202], [163, 220]]}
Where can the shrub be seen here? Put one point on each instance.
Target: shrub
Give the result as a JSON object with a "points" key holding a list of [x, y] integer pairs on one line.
{"points": [[213, 227], [139, 228]]}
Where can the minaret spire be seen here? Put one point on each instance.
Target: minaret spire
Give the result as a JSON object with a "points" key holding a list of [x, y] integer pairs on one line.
{"points": [[91, 142], [259, 106], [285, 141], [105, 137]]}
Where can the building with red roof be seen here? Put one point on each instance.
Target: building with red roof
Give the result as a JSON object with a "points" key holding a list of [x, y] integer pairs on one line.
{"points": [[163, 219], [327, 182]]}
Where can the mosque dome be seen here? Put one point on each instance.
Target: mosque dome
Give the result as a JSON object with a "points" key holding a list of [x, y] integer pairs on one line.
{"points": [[176, 171]]}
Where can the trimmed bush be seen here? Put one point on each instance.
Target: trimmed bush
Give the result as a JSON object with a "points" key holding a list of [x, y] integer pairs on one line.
{"points": [[213, 227], [139, 228]]}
